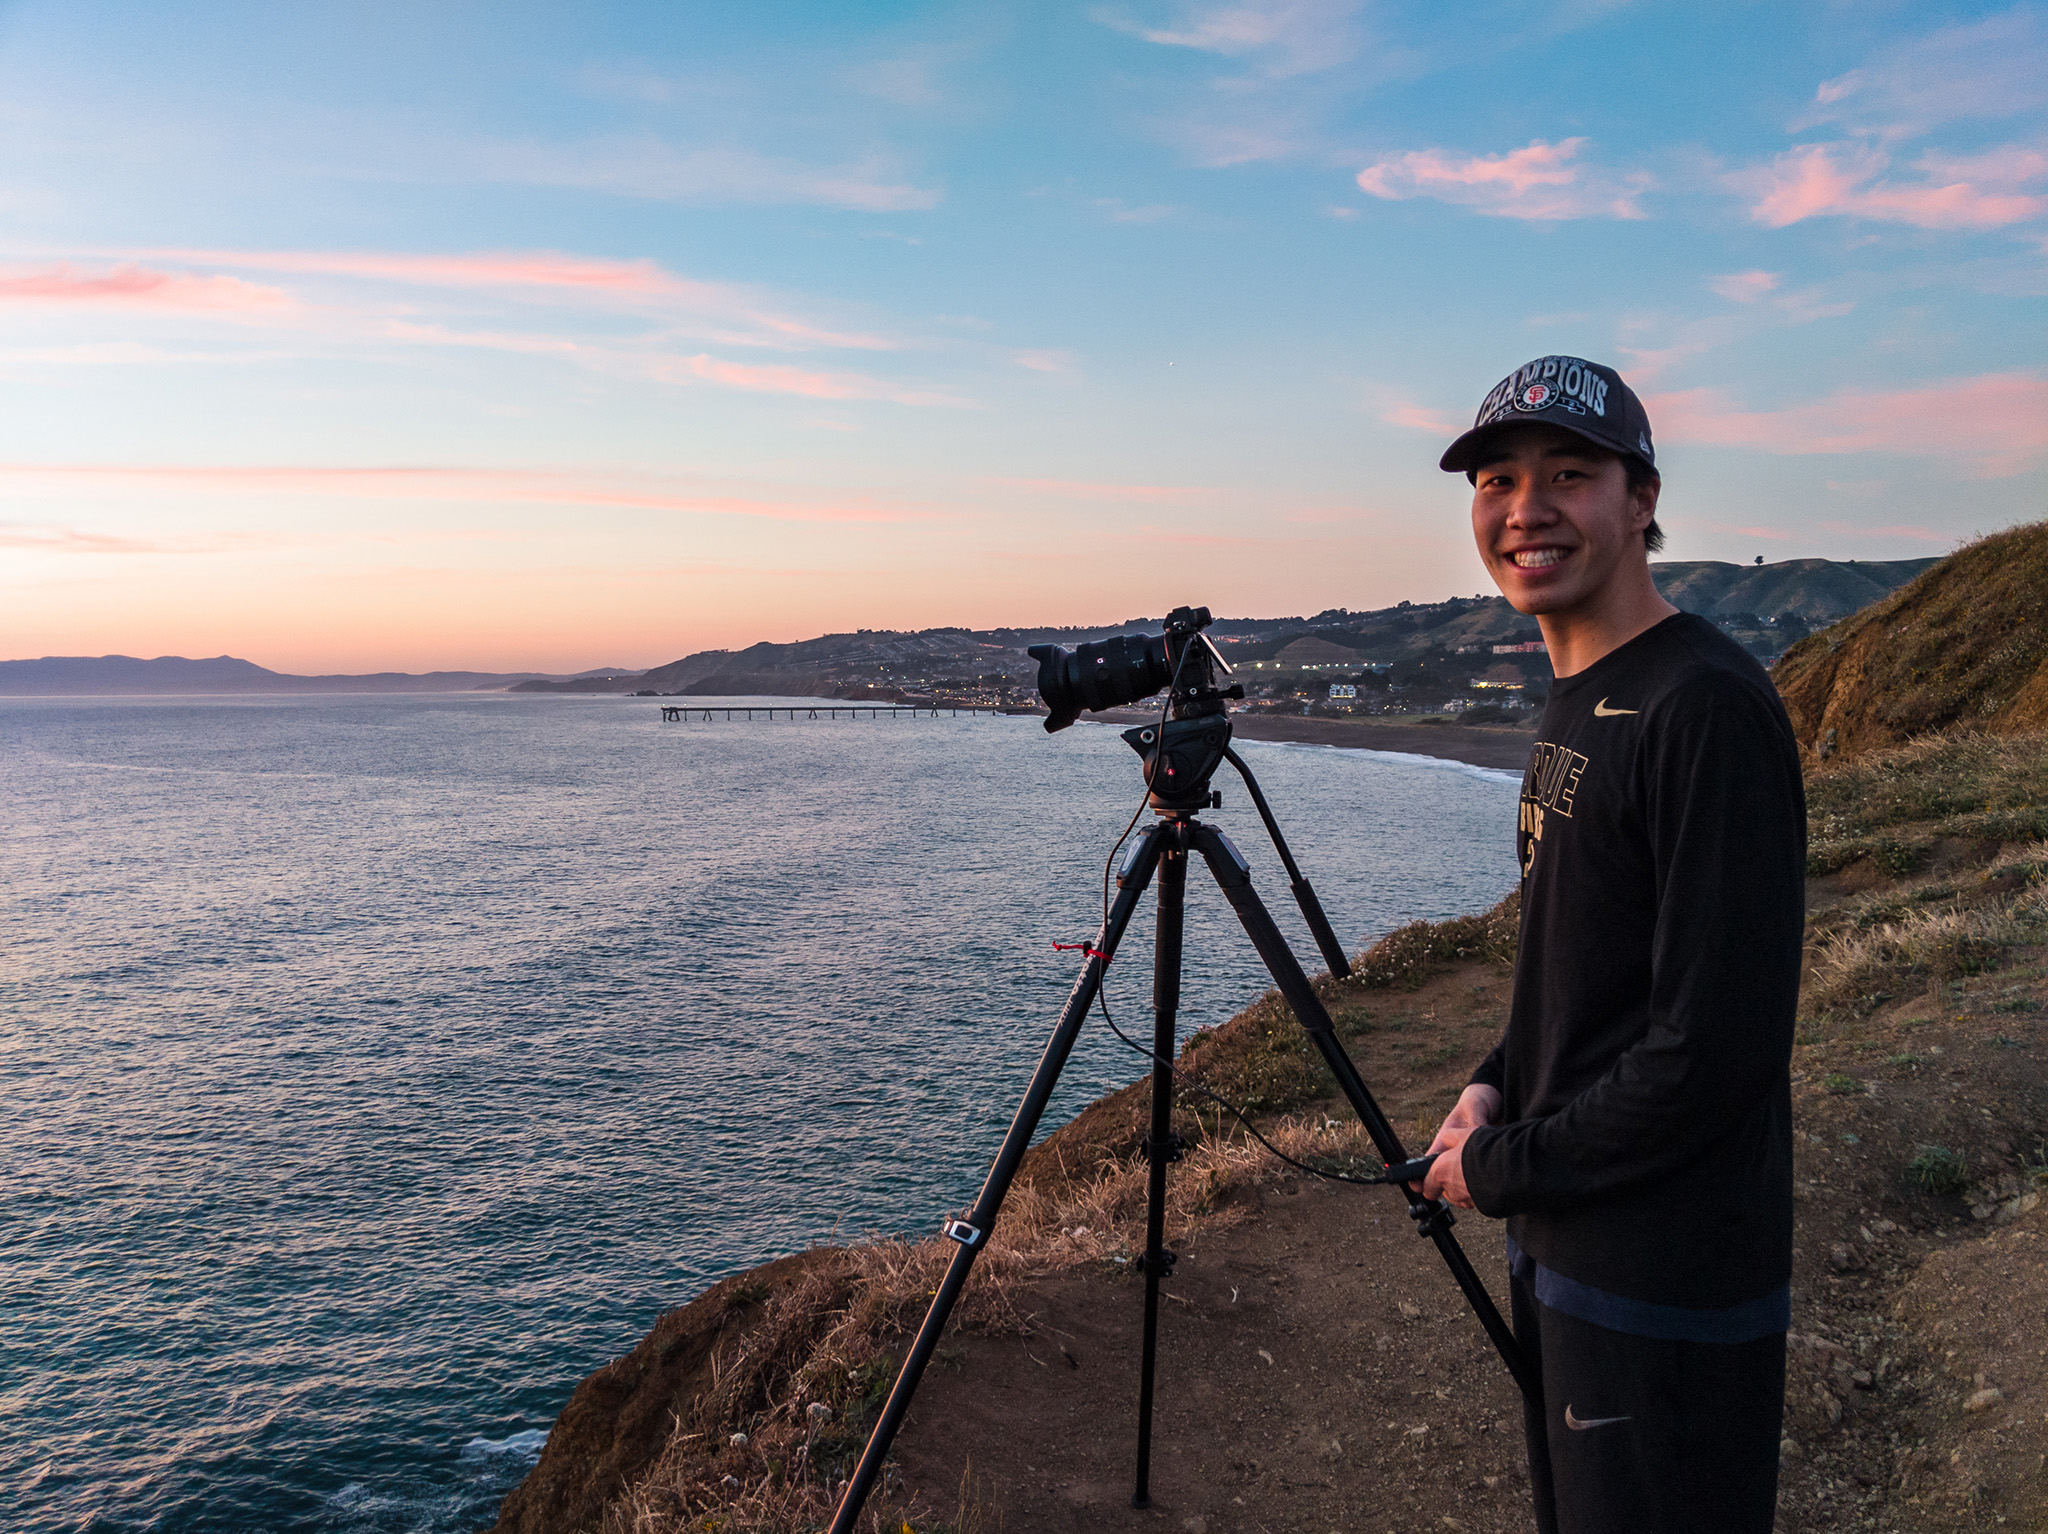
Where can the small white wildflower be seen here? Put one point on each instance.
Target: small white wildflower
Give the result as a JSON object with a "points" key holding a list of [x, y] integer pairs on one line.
{"points": [[738, 1440], [819, 1411]]}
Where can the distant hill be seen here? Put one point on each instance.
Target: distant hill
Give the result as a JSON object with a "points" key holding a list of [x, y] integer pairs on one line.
{"points": [[171, 675], [1312, 650], [1817, 590], [1765, 607], [1964, 645]]}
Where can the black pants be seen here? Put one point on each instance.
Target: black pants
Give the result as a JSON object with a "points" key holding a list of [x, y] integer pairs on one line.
{"points": [[1662, 1437]]}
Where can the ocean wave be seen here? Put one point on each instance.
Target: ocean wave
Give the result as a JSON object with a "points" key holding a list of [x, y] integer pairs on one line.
{"points": [[522, 1445]]}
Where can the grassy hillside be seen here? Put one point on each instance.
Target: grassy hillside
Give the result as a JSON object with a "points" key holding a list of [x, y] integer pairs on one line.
{"points": [[1964, 646]]}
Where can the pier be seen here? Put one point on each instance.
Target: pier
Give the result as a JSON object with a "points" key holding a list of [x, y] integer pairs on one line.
{"points": [[691, 714]]}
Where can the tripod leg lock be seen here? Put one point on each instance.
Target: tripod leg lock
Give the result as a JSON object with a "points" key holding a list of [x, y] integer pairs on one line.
{"points": [[967, 1235], [1433, 1218], [1163, 1268], [1168, 1150]]}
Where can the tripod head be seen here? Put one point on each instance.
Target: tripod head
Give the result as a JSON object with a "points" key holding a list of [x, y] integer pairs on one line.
{"points": [[1180, 757]]}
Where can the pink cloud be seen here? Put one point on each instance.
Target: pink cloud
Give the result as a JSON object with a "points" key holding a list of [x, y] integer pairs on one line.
{"points": [[486, 340], [1744, 287], [485, 269], [1996, 421], [665, 367], [1091, 490], [129, 286], [71, 540], [1844, 180], [1540, 182], [482, 486], [1769, 534], [1896, 530], [776, 378], [1285, 37], [1045, 360], [1988, 69], [651, 168], [1422, 418], [639, 285]]}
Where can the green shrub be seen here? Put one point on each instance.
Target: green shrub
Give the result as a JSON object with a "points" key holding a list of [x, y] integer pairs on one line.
{"points": [[1842, 1086], [1407, 956], [1937, 1169]]}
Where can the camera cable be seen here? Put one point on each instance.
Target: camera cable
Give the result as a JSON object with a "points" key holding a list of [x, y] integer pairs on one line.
{"points": [[1407, 1171]]}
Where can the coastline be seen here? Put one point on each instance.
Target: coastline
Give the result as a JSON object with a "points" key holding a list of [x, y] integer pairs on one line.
{"points": [[1497, 746]]}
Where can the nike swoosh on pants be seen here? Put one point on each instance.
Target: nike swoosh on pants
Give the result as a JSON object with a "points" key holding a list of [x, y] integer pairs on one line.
{"points": [[1579, 1424]]}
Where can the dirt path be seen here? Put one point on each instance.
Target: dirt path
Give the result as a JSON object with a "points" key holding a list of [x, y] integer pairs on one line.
{"points": [[1318, 1371]]}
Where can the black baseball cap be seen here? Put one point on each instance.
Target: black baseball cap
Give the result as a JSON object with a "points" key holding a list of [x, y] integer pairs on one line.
{"points": [[1583, 397]]}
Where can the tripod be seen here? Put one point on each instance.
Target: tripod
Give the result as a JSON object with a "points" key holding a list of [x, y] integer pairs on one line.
{"points": [[1181, 757]]}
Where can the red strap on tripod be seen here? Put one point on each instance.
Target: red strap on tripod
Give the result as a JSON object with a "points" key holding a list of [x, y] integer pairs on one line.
{"points": [[1088, 948]]}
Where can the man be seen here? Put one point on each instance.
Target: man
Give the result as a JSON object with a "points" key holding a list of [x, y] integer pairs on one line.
{"points": [[1634, 1123]]}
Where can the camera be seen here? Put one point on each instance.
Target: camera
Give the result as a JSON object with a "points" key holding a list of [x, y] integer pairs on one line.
{"points": [[1127, 667]]}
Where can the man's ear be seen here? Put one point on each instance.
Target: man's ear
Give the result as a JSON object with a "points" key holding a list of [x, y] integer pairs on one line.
{"points": [[1643, 501]]}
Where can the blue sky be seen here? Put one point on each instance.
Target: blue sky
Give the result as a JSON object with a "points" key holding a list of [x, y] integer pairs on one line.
{"points": [[442, 335]]}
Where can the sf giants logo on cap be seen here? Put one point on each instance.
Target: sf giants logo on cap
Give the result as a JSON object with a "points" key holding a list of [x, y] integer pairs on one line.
{"points": [[1549, 383]]}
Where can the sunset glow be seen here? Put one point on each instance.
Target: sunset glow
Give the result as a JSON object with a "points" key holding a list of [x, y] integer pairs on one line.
{"points": [[533, 338]]}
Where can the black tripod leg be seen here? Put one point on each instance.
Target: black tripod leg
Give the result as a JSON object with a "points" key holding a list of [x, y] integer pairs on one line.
{"points": [[1159, 1144], [971, 1233], [1433, 1217], [1311, 908]]}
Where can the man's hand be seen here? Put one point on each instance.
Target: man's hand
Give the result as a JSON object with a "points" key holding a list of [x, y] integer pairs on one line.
{"points": [[1477, 1105]]}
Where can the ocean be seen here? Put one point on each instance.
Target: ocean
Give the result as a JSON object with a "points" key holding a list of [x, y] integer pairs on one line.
{"points": [[375, 1067]]}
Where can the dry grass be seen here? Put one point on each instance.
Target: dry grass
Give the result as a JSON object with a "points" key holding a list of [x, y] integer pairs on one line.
{"points": [[1893, 811], [1894, 806], [1854, 967], [763, 1451]]}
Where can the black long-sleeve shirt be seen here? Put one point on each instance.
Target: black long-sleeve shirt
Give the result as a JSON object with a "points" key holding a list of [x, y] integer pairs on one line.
{"points": [[1645, 1143]]}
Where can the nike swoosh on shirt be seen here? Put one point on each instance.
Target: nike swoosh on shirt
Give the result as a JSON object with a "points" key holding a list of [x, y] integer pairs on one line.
{"points": [[1580, 1424], [1602, 711]]}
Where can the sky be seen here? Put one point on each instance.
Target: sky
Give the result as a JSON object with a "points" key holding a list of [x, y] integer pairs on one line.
{"points": [[500, 336]]}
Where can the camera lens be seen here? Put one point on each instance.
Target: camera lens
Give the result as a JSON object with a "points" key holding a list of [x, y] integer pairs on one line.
{"points": [[1121, 669]]}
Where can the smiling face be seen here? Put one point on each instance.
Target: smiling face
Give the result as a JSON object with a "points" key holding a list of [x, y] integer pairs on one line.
{"points": [[1559, 528]]}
